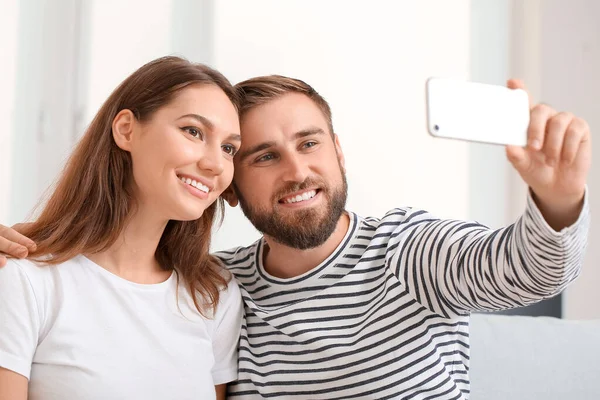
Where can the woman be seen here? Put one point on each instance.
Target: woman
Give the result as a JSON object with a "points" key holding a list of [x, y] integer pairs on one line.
{"points": [[121, 299]]}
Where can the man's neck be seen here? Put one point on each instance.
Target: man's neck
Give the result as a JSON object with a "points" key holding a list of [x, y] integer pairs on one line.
{"points": [[286, 262]]}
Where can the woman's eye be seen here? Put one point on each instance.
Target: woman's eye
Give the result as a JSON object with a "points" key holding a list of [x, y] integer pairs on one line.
{"points": [[195, 132], [229, 149]]}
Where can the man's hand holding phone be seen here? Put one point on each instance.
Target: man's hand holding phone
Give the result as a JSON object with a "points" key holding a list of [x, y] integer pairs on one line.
{"points": [[550, 150], [555, 162]]}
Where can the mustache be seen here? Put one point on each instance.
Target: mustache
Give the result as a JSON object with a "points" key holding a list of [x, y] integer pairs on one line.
{"points": [[292, 187]]}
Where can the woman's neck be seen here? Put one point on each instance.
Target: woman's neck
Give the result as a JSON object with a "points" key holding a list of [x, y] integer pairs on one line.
{"points": [[132, 255]]}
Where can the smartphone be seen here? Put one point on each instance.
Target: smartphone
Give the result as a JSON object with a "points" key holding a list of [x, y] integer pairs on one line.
{"points": [[477, 112]]}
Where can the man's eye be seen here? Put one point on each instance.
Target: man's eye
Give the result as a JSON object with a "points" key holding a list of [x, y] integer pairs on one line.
{"points": [[195, 132], [265, 157], [229, 149], [308, 145]]}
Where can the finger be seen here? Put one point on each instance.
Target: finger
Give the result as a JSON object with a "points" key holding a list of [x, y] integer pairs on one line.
{"points": [[519, 158], [12, 248], [536, 132], [30, 244], [2, 261], [519, 84], [13, 236], [515, 84], [556, 129], [577, 131]]}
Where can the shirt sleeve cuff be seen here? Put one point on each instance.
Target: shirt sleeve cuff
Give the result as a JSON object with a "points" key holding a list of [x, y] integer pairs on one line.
{"points": [[15, 364], [581, 223], [225, 375]]}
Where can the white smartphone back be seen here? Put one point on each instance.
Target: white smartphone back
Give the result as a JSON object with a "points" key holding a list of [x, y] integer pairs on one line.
{"points": [[477, 112]]}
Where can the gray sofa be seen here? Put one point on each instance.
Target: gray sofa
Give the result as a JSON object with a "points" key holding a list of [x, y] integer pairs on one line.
{"points": [[530, 358]]}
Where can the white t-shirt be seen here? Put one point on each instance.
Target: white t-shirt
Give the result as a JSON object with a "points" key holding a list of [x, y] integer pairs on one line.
{"points": [[77, 331]]}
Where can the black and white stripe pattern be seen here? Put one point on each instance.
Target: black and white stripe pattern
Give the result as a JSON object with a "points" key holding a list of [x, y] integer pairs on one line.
{"points": [[386, 315]]}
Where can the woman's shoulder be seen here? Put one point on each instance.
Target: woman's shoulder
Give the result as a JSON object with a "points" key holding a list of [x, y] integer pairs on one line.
{"points": [[29, 268], [27, 287], [39, 269], [232, 290], [230, 299], [40, 277]]}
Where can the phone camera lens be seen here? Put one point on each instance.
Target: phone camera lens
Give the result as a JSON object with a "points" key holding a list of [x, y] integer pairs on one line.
{"points": [[436, 128]]}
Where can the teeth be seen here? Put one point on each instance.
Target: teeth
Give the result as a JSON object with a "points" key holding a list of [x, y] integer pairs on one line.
{"points": [[302, 197], [195, 184]]}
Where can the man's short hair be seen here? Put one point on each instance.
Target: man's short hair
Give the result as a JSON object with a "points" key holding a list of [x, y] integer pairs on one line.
{"points": [[263, 89]]}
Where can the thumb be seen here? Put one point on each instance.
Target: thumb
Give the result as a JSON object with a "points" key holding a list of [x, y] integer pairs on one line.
{"points": [[518, 157]]}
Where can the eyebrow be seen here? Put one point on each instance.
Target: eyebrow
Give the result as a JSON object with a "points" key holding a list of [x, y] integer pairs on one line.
{"points": [[203, 120], [260, 147], [265, 145], [235, 137], [308, 132], [206, 122]]}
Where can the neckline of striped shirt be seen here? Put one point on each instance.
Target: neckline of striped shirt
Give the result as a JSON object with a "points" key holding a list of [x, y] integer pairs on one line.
{"points": [[311, 277], [265, 293]]}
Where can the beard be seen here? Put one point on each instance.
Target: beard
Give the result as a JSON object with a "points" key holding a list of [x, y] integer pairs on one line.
{"points": [[300, 229]]}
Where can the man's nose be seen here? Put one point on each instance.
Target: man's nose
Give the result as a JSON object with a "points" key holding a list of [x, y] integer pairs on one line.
{"points": [[295, 169]]}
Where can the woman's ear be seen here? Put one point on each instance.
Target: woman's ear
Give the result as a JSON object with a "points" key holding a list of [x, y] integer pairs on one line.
{"points": [[122, 129], [230, 197]]}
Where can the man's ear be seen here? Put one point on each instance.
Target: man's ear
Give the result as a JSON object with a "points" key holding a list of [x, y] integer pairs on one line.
{"points": [[230, 197], [339, 152], [122, 129]]}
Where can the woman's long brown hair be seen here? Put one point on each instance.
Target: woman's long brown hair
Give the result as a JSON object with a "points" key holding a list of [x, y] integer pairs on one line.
{"points": [[93, 197]]}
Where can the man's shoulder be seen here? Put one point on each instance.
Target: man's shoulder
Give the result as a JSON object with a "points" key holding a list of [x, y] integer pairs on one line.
{"points": [[237, 255], [392, 216]]}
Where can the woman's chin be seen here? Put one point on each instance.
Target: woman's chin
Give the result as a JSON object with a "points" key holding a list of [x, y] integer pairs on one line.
{"points": [[188, 214]]}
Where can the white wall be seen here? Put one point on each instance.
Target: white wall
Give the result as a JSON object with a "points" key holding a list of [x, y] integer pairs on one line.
{"points": [[24, 187], [8, 50], [121, 40], [370, 63], [57, 103]]}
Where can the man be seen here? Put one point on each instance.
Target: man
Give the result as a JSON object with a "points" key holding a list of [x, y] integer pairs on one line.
{"points": [[339, 306]]}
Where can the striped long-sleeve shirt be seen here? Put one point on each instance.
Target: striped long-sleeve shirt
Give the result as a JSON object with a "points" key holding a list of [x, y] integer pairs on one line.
{"points": [[386, 316]]}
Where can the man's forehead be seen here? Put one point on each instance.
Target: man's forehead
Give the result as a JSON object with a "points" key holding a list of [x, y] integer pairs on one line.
{"points": [[284, 116]]}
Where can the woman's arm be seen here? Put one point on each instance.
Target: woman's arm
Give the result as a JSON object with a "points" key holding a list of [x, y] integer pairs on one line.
{"points": [[13, 386], [20, 322], [221, 391], [226, 337]]}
